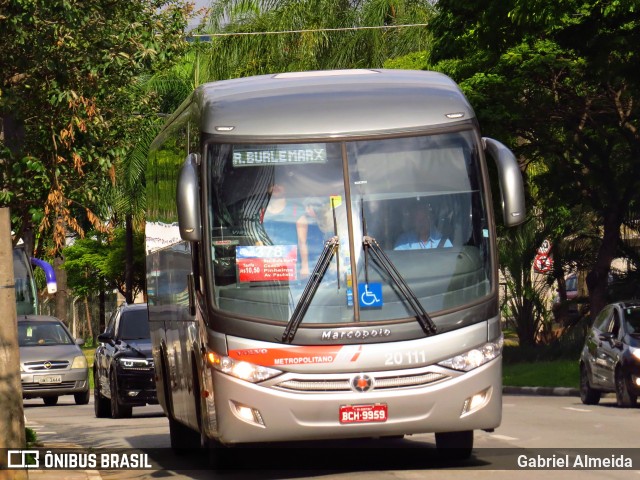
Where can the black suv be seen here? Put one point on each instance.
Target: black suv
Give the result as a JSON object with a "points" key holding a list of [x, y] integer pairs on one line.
{"points": [[610, 360], [123, 370]]}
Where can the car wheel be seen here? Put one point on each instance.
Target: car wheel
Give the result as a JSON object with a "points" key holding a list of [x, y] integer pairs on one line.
{"points": [[50, 401], [455, 445], [101, 405], [118, 410], [624, 398], [81, 398], [588, 395]]}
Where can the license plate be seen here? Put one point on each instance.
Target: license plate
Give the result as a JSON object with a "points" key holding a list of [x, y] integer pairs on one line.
{"points": [[50, 379], [363, 413]]}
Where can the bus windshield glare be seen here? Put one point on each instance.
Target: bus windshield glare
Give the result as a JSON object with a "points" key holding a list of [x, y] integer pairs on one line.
{"points": [[419, 200]]}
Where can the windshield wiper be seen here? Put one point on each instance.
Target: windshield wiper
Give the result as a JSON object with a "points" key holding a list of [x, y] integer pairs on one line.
{"points": [[310, 289], [383, 260]]}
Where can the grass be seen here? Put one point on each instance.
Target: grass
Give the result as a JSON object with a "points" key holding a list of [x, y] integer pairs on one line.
{"points": [[550, 373]]}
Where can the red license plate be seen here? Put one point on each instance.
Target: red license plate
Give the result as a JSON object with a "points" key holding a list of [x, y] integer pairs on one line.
{"points": [[363, 413]]}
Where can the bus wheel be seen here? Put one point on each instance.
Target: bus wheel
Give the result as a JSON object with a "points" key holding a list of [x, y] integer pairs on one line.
{"points": [[183, 439], [455, 445]]}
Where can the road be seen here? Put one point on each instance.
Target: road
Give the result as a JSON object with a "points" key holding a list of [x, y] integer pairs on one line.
{"points": [[561, 424]]}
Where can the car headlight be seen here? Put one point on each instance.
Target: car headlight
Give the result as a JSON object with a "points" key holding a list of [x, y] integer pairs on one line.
{"points": [[79, 362], [635, 352], [240, 369], [475, 357], [133, 363]]}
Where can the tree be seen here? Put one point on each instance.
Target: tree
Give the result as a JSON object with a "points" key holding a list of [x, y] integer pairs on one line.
{"points": [[95, 264], [310, 35], [556, 80], [65, 98], [11, 413]]}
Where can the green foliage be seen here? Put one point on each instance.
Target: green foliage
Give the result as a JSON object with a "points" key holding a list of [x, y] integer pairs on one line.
{"points": [[70, 106], [555, 80], [97, 264], [310, 35]]}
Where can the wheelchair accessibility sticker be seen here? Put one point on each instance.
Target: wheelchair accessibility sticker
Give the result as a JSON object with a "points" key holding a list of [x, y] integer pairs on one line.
{"points": [[370, 295]]}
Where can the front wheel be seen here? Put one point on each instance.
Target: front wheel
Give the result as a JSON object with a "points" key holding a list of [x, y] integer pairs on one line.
{"points": [[50, 401], [588, 395], [118, 410], [624, 397], [81, 398], [455, 445], [101, 404]]}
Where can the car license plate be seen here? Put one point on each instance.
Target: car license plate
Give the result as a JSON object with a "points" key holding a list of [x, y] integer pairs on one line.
{"points": [[363, 413], [50, 379]]}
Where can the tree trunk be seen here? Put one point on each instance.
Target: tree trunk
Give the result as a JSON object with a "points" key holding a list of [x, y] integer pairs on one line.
{"points": [[598, 277], [62, 293], [88, 312], [12, 433], [103, 314]]}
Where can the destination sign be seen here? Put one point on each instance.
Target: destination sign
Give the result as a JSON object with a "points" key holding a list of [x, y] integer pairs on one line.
{"points": [[266, 155]]}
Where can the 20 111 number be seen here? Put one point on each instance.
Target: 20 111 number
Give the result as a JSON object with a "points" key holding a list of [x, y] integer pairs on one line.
{"points": [[413, 357]]}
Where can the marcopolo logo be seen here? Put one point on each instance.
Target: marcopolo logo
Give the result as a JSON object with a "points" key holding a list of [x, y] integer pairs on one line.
{"points": [[356, 334]]}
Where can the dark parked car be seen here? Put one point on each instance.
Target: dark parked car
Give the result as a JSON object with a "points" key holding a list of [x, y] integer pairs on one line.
{"points": [[51, 362], [610, 360], [123, 366]]}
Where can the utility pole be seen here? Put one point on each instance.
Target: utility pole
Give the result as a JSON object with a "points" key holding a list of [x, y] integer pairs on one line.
{"points": [[12, 434]]}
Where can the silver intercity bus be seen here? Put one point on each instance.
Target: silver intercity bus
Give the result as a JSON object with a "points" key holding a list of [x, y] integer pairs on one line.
{"points": [[322, 260]]}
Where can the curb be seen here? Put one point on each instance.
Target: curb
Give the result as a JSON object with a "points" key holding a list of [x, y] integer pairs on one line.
{"points": [[545, 391]]}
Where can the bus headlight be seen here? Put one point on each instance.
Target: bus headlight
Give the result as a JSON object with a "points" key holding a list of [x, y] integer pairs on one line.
{"points": [[475, 357], [240, 369], [635, 352]]}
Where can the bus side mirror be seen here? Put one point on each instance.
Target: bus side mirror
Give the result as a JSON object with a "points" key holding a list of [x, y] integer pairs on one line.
{"points": [[188, 200], [511, 187]]}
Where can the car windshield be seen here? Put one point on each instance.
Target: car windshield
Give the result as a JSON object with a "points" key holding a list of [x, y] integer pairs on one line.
{"points": [[134, 325], [632, 316], [39, 333], [417, 201]]}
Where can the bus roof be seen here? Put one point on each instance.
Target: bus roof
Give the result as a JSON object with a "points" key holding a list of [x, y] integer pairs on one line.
{"points": [[334, 103]]}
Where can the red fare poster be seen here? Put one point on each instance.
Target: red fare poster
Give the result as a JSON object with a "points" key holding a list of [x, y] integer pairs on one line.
{"points": [[266, 263]]}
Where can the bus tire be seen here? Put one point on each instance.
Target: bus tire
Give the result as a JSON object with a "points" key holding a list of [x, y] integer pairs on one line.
{"points": [[183, 439], [455, 445]]}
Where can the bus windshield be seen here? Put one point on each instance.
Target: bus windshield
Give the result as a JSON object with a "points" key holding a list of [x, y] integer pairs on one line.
{"points": [[418, 201]]}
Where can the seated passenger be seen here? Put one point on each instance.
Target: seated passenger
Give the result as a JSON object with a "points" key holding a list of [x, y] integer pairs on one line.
{"points": [[423, 234]]}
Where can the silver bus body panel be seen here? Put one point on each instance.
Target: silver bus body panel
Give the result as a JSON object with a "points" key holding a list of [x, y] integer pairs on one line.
{"points": [[336, 104]]}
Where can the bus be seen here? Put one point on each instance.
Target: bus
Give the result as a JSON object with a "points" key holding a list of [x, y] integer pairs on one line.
{"points": [[283, 306], [25, 284]]}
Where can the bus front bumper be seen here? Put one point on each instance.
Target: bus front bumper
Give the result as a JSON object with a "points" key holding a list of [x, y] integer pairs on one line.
{"points": [[247, 413]]}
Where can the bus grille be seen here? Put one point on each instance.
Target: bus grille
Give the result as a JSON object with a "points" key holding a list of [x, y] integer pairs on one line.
{"points": [[344, 385]]}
